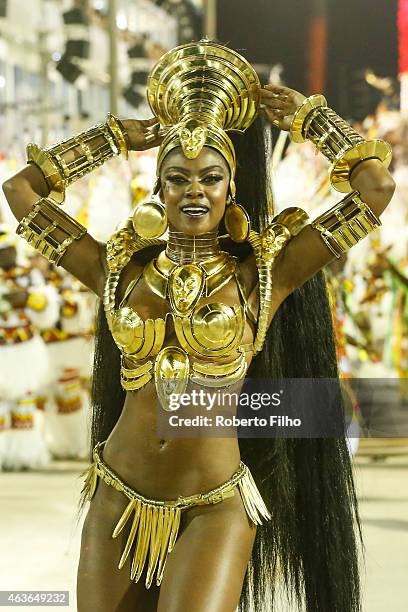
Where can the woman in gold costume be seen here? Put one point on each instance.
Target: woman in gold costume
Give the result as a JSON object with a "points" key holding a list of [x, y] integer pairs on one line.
{"points": [[178, 523]]}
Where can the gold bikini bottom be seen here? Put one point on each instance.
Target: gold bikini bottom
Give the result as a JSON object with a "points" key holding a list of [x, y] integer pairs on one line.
{"points": [[155, 524]]}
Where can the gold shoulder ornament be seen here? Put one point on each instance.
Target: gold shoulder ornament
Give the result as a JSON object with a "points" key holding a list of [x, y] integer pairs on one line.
{"points": [[124, 243], [267, 246], [120, 248]]}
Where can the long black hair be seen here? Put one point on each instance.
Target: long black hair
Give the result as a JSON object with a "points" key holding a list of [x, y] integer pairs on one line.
{"points": [[311, 543]]}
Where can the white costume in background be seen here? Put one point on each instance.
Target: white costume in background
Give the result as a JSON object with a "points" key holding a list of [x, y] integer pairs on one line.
{"points": [[24, 371]]}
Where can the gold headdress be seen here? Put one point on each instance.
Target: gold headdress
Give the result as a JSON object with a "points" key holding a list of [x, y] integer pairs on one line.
{"points": [[199, 91]]}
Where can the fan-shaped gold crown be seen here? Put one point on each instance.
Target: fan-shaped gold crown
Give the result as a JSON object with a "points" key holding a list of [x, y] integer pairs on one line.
{"points": [[200, 90]]}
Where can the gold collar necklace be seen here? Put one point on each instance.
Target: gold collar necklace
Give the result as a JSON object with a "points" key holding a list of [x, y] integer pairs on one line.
{"points": [[182, 249], [185, 276]]}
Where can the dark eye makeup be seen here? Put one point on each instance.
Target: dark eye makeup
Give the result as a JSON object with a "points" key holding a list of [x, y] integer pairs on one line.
{"points": [[212, 178], [178, 179]]}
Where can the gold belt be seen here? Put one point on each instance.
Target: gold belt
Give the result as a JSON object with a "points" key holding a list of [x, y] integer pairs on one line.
{"points": [[155, 523]]}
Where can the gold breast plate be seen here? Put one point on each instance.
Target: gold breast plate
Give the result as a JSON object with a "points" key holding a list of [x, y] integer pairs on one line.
{"points": [[135, 337], [207, 333], [213, 330], [137, 340]]}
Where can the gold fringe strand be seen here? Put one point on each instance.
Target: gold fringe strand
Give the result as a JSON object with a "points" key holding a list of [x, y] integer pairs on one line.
{"points": [[252, 499], [91, 480]]}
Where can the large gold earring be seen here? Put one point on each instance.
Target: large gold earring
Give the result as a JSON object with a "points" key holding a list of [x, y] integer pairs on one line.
{"points": [[237, 221], [150, 219]]}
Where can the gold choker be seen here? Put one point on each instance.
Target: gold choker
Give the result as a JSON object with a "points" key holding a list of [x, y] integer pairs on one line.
{"points": [[183, 249]]}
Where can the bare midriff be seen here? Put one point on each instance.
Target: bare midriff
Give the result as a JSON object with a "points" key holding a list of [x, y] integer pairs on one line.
{"points": [[164, 467]]}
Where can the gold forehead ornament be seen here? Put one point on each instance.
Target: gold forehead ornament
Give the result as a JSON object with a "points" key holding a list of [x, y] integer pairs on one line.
{"points": [[193, 141]]}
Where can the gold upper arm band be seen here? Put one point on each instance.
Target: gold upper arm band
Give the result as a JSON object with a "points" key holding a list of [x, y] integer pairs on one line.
{"points": [[64, 163], [336, 139], [346, 223], [49, 230]]}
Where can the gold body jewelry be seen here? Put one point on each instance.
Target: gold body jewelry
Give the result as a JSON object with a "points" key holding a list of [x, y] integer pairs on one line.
{"points": [[210, 330], [49, 230], [336, 139], [346, 223], [237, 223], [59, 171], [267, 246], [155, 523], [150, 219]]}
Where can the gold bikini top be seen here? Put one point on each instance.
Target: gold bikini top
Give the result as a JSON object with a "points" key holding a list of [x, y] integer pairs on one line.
{"points": [[209, 334], [210, 351]]}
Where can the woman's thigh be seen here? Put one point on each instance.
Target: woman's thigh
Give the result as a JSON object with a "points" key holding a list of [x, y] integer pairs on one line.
{"points": [[206, 569], [101, 586]]}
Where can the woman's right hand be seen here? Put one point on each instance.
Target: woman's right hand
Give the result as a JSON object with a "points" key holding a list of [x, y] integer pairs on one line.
{"points": [[142, 134]]}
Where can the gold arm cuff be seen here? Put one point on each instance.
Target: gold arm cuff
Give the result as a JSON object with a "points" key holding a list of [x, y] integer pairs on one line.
{"points": [[336, 140], [119, 134], [369, 149], [40, 225], [60, 173], [298, 121], [346, 223], [53, 173]]}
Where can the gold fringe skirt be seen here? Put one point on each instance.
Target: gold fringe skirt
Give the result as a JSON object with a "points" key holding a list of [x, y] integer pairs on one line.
{"points": [[155, 523]]}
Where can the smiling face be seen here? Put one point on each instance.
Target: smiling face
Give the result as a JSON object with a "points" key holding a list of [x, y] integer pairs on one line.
{"points": [[194, 190]]}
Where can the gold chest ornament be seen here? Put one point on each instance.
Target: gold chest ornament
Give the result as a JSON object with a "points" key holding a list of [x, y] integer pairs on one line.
{"points": [[185, 287], [211, 331], [214, 325]]}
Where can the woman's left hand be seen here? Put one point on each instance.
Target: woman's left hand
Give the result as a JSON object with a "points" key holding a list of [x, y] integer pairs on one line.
{"points": [[280, 105]]}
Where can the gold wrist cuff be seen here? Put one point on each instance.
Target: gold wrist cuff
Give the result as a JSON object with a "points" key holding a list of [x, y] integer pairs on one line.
{"points": [[336, 139], [66, 162], [298, 121], [119, 134], [49, 230], [346, 223]]}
